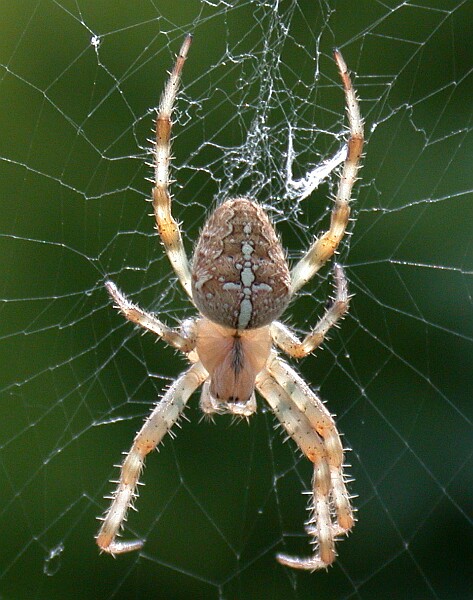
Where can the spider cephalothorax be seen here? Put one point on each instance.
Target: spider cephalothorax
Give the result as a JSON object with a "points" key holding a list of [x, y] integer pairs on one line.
{"points": [[240, 283]]}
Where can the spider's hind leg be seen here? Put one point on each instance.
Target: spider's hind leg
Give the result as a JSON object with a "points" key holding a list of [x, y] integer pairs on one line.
{"points": [[324, 247], [167, 226]]}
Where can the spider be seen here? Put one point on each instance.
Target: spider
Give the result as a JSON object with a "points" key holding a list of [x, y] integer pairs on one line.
{"points": [[240, 283]]}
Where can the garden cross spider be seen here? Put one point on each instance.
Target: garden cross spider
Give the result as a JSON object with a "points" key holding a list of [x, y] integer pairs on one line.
{"points": [[240, 283]]}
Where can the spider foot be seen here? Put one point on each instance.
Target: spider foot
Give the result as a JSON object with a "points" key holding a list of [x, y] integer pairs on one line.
{"points": [[311, 563], [121, 547]]}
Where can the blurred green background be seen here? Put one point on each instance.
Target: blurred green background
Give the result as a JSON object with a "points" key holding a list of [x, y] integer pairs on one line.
{"points": [[76, 380]]}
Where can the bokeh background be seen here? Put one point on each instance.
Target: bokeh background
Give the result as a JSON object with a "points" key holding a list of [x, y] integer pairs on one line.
{"points": [[78, 82]]}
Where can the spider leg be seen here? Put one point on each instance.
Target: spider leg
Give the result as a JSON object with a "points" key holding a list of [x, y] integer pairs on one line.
{"points": [[324, 247], [163, 417], [308, 403], [310, 442], [148, 321], [285, 339], [167, 227]]}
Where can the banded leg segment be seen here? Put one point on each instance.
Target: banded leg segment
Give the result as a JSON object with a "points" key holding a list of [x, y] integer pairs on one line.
{"points": [[310, 405], [310, 442], [290, 343], [161, 420], [167, 227], [324, 247], [148, 321]]}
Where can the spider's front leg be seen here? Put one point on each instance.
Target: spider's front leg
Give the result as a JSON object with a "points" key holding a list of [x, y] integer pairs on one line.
{"points": [[164, 416], [300, 430], [322, 422], [311, 426]]}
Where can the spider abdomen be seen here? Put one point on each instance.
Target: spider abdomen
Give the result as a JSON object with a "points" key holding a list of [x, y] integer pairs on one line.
{"points": [[240, 277]]}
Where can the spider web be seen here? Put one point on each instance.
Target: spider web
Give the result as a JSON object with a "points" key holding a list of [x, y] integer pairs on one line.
{"points": [[78, 84]]}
